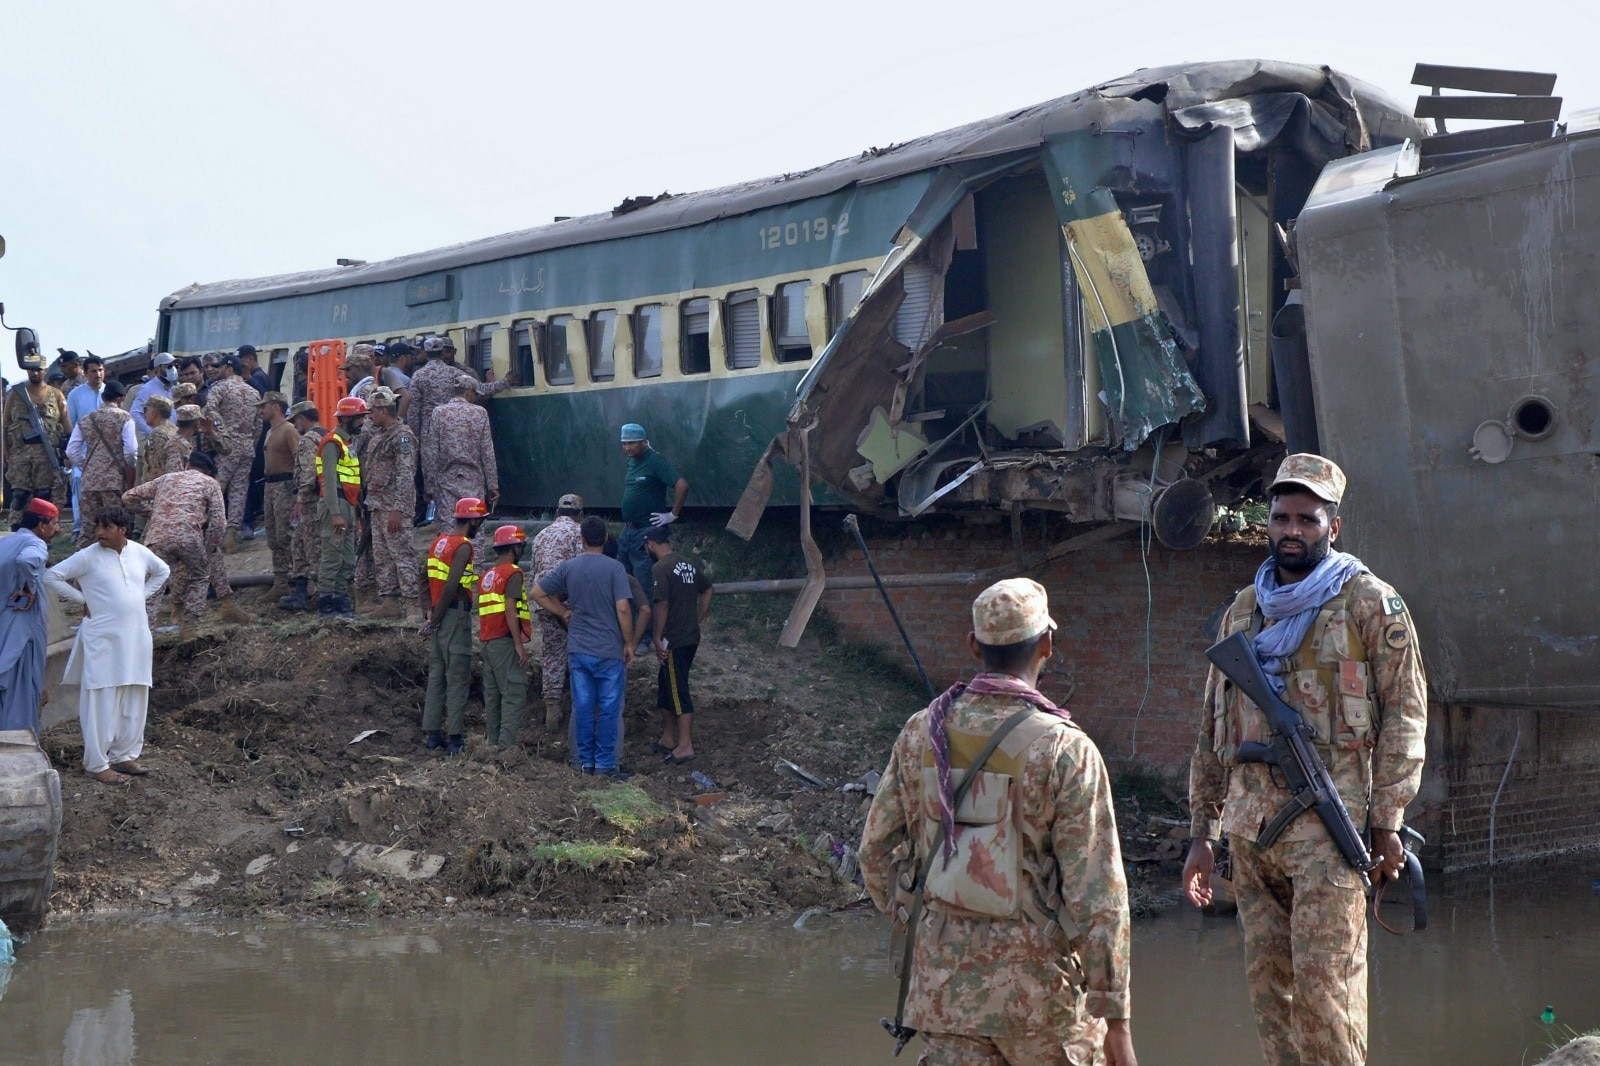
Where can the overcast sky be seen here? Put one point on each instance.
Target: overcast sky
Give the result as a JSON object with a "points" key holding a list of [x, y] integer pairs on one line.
{"points": [[148, 145]]}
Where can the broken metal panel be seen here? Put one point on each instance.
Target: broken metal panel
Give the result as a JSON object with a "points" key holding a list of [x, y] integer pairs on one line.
{"points": [[1214, 229], [1435, 303], [888, 447], [1144, 382]]}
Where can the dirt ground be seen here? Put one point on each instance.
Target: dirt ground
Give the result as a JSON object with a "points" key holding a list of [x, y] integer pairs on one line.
{"points": [[277, 749]]}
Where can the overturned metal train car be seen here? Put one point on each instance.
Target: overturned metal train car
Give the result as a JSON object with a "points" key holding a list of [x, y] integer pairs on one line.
{"points": [[1451, 325], [1021, 312]]}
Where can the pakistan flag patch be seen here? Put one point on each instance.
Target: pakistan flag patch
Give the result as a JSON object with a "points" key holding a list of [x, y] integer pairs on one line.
{"points": [[1393, 605]]}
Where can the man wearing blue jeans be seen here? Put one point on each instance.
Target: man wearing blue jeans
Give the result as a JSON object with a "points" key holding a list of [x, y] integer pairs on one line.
{"points": [[598, 615]]}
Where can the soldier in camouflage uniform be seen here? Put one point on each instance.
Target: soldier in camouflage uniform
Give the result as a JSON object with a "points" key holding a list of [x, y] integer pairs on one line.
{"points": [[186, 526], [277, 487], [190, 436], [28, 467], [231, 406], [105, 449], [1341, 645], [553, 545], [463, 450], [304, 546], [434, 384], [388, 464], [157, 416], [1021, 951]]}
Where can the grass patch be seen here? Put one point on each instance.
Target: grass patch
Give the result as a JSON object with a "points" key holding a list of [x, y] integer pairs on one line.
{"points": [[585, 855], [625, 806], [1149, 787]]}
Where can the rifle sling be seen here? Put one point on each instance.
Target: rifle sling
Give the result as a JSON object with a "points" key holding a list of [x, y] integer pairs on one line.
{"points": [[99, 431], [922, 876]]}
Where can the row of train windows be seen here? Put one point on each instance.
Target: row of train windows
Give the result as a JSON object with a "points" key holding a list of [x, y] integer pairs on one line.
{"points": [[548, 343]]}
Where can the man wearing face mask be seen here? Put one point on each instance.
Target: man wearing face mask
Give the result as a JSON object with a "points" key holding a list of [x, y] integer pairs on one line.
{"points": [[163, 375], [1340, 647]]}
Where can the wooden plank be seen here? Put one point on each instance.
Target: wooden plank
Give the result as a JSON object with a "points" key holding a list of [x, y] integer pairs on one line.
{"points": [[1503, 108], [1484, 80]]}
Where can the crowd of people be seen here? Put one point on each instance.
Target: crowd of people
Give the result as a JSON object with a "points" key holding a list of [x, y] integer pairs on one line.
{"points": [[176, 468]]}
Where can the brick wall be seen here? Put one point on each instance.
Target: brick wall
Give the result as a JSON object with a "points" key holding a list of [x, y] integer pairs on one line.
{"points": [[1551, 800], [1098, 597]]}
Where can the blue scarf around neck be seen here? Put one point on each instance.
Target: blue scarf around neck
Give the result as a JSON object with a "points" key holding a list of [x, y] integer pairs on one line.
{"points": [[1294, 607]]}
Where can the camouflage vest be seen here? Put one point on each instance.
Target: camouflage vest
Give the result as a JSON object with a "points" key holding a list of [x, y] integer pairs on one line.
{"points": [[1326, 679], [991, 875]]}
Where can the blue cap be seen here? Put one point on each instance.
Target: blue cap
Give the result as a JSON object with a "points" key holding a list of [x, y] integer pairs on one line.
{"points": [[633, 431]]}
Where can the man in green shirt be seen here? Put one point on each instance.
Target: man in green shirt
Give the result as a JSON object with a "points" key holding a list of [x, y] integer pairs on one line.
{"points": [[644, 502]]}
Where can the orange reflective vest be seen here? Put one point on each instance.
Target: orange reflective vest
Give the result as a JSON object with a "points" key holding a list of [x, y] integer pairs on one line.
{"points": [[439, 558], [492, 622], [347, 466]]}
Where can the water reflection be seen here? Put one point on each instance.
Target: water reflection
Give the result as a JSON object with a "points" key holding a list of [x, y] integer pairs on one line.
{"points": [[1470, 989]]}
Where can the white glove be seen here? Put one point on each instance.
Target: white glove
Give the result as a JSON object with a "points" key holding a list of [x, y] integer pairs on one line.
{"points": [[662, 518]]}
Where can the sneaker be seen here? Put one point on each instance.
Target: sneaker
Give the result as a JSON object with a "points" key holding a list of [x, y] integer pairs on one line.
{"points": [[434, 740], [457, 744]]}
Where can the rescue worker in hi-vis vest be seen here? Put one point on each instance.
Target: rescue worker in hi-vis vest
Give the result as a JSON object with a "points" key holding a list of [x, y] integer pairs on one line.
{"points": [[1010, 890], [1340, 647], [338, 508], [451, 583], [505, 626]]}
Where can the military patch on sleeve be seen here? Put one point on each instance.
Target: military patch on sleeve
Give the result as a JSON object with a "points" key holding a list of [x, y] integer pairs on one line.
{"points": [[405, 445], [1393, 605], [1397, 634]]}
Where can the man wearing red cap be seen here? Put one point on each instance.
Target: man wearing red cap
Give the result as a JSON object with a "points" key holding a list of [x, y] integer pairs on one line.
{"points": [[23, 624]]}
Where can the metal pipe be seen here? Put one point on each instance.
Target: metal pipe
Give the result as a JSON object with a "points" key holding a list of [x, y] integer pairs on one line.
{"points": [[854, 527]]}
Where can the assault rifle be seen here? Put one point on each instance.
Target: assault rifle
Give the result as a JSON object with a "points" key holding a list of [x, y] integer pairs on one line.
{"points": [[35, 433], [1304, 773]]}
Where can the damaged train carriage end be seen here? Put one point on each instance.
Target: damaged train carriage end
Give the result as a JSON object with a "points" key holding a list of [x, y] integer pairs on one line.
{"points": [[1450, 317], [1077, 314]]}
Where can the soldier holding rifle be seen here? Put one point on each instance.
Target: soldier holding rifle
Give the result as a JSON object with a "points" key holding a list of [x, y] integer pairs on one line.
{"points": [[1338, 646]]}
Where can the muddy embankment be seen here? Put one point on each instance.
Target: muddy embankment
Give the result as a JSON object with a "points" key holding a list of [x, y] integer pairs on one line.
{"points": [[262, 801]]}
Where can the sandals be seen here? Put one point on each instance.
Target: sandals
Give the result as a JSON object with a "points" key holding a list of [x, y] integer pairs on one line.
{"points": [[130, 767], [108, 776], [660, 748]]}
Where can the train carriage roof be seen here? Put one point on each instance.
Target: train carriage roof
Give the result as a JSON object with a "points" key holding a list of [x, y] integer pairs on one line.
{"points": [[1191, 94]]}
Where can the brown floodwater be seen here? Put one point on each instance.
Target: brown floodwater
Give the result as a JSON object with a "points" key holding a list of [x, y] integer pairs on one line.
{"points": [[1469, 990]]}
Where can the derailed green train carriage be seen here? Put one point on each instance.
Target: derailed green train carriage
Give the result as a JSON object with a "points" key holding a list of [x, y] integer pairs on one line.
{"points": [[1064, 307]]}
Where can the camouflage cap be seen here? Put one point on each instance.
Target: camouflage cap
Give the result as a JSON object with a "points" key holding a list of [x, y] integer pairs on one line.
{"points": [[382, 396], [433, 344], [362, 351], [304, 407], [274, 397], [189, 413], [570, 502], [1011, 611], [184, 390], [161, 404], [466, 381], [1318, 476]]}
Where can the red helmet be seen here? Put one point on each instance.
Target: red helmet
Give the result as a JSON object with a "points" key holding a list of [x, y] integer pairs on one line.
{"points": [[469, 506], [509, 536], [350, 405]]}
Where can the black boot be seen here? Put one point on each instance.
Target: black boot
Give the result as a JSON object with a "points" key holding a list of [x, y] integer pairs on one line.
{"points": [[433, 740], [327, 606], [344, 607], [297, 600]]}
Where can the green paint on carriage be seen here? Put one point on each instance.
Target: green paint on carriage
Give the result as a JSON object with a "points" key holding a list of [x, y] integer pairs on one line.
{"points": [[855, 223], [713, 430]]}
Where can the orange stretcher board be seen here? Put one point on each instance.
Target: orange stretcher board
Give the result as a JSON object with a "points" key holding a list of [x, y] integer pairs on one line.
{"points": [[325, 383]]}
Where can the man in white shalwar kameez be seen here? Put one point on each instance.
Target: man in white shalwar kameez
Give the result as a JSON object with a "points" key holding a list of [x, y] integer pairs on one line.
{"points": [[111, 659]]}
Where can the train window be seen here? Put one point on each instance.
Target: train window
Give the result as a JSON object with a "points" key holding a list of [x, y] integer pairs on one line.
{"points": [[744, 329], [523, 346], [789, 334], [694, 337], [557, 359], [602, 345], [844, 292], [276, 364], [481, 357], [647, 341]]}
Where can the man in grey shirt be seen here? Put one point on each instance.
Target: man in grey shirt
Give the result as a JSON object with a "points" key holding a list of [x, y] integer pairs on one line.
{"points": [[598, 615]]}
